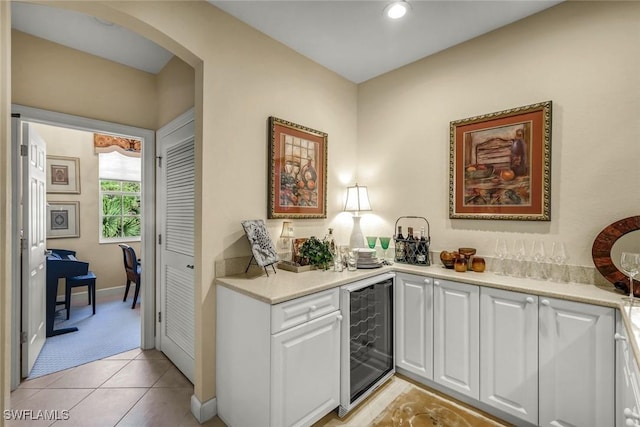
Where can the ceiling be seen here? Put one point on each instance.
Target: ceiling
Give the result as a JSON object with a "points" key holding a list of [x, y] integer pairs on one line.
{"points": [[352, 38]]}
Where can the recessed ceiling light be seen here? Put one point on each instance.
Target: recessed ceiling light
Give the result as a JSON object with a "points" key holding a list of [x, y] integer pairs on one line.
{"points": [[397, 9]]}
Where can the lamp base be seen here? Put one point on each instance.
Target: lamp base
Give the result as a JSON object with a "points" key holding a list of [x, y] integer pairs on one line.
{"points": [[357, 239]]}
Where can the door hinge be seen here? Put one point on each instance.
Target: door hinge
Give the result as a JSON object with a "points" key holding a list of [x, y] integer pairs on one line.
{"points": [[159, 317], [24, 150], [159, 239], [159, 161], [23, 337]]}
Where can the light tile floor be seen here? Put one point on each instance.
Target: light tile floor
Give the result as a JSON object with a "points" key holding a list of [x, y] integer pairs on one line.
{"points": [[142, 388], [137, 388]]}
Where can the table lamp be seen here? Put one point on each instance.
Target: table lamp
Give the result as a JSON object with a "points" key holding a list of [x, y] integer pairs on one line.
{"points": [[357, 201]]}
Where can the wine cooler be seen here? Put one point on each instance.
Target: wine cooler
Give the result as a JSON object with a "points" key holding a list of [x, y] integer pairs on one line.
{"points": [[367, 352]]}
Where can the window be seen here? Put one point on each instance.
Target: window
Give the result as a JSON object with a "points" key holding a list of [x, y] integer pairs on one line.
{"points": [[120, 197]]}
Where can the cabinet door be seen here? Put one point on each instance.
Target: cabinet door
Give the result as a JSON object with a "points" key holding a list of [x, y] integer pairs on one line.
{"points": [[626, 376], [509, 352], [456, 333], [576, 364], [414, 324], [305, 372]]}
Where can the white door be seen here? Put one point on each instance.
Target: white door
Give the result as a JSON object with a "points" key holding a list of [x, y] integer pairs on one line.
{"points": [[576, 364], [305, 372], [456, 336], [176, 208], [414, 324], [34, 264], [509, 352]]}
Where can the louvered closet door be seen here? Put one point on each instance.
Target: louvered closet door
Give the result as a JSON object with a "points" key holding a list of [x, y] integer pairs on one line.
{"points": [[176, 181]]}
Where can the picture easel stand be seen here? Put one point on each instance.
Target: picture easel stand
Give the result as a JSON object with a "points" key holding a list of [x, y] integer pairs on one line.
{"points": [[253, 261]]}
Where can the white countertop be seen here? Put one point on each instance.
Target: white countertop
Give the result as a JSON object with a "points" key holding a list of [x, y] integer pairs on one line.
{"points": [[286, 285]]}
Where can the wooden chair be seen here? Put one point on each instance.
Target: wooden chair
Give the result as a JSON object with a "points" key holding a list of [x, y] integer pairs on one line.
{"points": [[133, 270]]}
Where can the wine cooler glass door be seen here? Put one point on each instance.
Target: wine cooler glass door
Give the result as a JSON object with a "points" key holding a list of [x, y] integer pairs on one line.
{"points": [[369, 348]]}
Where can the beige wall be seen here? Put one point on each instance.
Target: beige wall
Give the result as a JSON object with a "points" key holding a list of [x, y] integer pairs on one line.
{"points": [[244, 77], [241, 78], [105, 260], [175, 90], [5, 204], [53, 77], [583, 56]]}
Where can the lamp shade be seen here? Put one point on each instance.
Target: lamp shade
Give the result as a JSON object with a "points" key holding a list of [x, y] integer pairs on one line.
{"points": [[287, 230], [357, 199]]}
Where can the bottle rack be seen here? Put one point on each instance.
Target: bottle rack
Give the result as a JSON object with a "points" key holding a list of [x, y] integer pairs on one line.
{"points": [[410, 252], [364, 324]]}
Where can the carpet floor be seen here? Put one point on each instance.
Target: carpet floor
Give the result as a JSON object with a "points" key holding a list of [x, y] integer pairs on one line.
{"points": [[114, 329]]}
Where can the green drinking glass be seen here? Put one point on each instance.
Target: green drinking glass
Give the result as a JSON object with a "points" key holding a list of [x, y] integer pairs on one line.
{"points": [[384, 243], [371, 241]]}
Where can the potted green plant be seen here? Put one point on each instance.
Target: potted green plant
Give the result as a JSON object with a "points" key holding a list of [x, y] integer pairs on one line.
{"points": [[317, 252]]}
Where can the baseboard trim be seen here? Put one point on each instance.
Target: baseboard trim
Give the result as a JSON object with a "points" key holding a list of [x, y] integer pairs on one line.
{"points": [[81, 296], [203, 411]]}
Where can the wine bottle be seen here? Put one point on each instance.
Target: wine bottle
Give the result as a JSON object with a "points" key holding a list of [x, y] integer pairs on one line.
{"points": [[331, 242], [400, 247], [423, 249], [411, 247]]}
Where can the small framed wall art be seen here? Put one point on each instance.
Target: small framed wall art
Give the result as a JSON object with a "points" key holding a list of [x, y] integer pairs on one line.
{"points": [[500, 165], [297, 171], [63, 220], [63, 175]]}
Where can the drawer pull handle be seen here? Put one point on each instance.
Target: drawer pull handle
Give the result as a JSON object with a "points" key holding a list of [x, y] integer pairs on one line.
{"points": [[619, 337], [427, 281], [313, 308], [530, 300], [545, 302], [436, 283], [339, 317]]}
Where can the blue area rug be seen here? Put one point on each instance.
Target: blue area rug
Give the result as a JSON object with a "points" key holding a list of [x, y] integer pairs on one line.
{"points": [[114, 329]]}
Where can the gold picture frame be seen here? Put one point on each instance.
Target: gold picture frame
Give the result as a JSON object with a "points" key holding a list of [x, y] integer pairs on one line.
{"points": [[500, 165], [297, 171]]}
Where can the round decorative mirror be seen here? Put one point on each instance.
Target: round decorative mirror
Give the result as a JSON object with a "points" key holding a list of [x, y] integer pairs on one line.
{"points": [[610, 243]]}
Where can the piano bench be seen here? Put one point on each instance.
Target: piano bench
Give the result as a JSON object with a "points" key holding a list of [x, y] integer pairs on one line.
{"points": [[88, 280]]}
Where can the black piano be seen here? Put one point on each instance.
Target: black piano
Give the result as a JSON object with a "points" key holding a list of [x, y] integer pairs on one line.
{"points": [[60, 263]]}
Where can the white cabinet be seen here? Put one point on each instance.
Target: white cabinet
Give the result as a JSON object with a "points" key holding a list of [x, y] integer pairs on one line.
{"points": [[304, 384], [456, 336], [414, 324], [576, 365], [509, 352], [277, 365], [627, 386]]}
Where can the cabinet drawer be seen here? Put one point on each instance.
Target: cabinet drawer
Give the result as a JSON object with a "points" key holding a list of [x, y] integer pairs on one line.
{"points": [[295, 312]]}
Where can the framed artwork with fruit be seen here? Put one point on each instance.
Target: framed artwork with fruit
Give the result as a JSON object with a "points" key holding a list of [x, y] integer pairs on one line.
{"points": [[500, 165], [297, 171]]}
